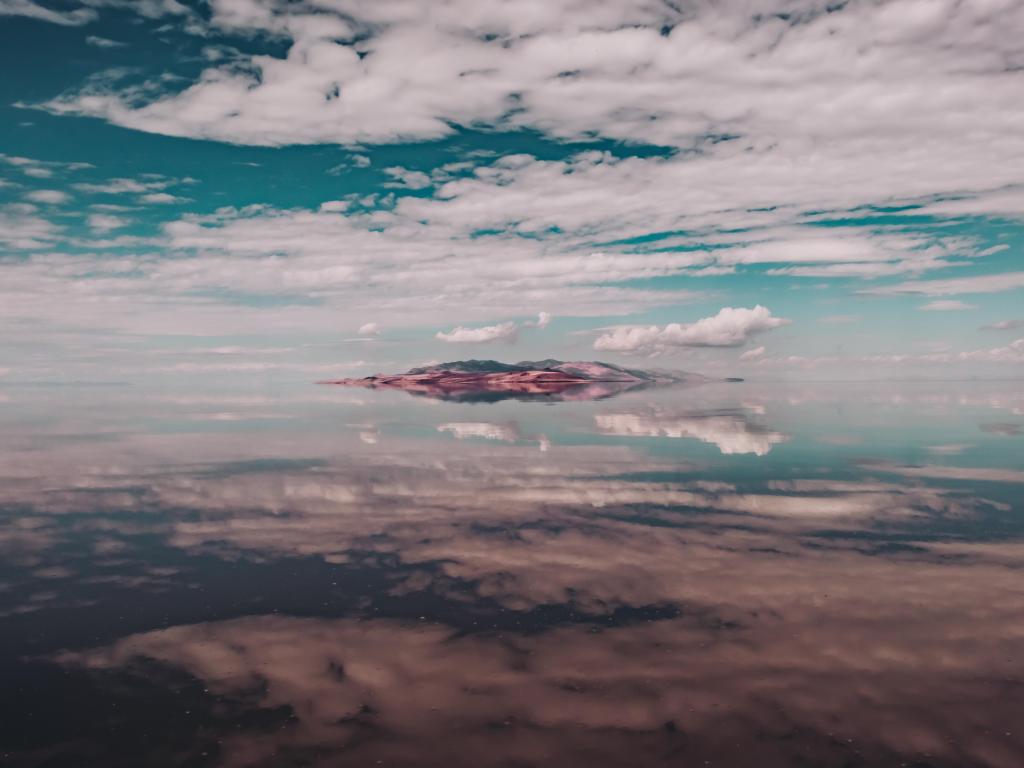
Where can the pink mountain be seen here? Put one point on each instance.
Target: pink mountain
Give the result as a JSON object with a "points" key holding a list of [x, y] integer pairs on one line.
{"points": [[546, 379]]}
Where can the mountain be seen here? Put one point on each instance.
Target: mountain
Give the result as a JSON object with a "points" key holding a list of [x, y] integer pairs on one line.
{"points": [[490, 380], [588, 370]]}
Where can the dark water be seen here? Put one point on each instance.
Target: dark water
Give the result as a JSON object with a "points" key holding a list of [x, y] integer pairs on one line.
{"points": [[728, 575]]}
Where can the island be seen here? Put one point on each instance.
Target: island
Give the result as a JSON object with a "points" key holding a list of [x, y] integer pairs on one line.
{"points": [[490, 380]]}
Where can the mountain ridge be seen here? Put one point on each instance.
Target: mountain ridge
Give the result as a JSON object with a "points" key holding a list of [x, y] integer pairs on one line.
{"points": [[550, 379]]}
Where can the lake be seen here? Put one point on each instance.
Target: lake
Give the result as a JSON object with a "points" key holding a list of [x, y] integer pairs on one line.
{"points": [[732, 574]]}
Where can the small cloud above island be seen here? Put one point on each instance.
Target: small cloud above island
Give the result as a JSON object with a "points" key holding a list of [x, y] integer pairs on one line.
{"points": [[460, 335], [731, 327], [507, 332]]}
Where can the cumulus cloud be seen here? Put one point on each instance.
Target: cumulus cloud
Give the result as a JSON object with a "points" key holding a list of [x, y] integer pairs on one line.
{"points": [[104, 222], [507, 332], [50, 196], [543, 318], [161, 198], [21, 228], [403, 177], [752, 354], [731, 327], [369, 329]]}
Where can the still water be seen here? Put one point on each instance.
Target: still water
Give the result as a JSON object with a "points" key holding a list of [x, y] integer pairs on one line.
{"points": [[723, 575]]}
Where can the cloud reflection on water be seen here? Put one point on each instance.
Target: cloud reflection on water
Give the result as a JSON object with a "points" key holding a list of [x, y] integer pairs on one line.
{"points": [[595, 604]]}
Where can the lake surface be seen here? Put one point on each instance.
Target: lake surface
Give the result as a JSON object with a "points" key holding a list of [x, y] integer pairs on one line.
{"points": [[725, 575]]}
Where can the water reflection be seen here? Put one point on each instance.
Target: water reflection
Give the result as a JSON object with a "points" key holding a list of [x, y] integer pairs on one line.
{"points": [[253, 592], [733, 431]]}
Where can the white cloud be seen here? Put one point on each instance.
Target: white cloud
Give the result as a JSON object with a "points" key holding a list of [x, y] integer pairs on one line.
{"points": [[104, 222], [161, 198], [507, 332], [122, 186], [369, 329], [731, 327], [882, 89], [51, 196], [34, 10], [103, 42], [996, 283], [1003, 325], [1012, 353], [946, 305], [403, 177], [543, 318], [732, 433], [752, 354], [22, 229]]}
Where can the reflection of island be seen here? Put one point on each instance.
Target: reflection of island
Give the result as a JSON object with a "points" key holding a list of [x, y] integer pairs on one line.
{"points": [[490, 380], [731, 430]]}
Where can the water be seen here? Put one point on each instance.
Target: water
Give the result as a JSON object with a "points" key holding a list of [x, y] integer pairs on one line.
{"points": [[725, 575]]}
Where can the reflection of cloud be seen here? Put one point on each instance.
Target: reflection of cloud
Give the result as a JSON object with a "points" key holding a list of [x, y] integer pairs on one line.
{"points": [[948, 449], [663, 610], [944, 472], [508, 432], [732, 431], [1008, 429], [790, 671]]}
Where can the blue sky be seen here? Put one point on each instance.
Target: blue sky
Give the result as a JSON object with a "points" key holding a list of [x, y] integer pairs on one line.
{"points": [[333, 187]]}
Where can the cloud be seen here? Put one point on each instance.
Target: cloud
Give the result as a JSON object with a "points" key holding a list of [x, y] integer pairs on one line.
{"points": [[103, 222], [507, 332], [731, 327], [22, 229], [1003, 325], [733, 432], [33, 10], [403, 177], [103, 42], [1012, 353], [122, 186], [946, 306], [752, 354], [161, 198], [50, 196], [543, 318], [369, 329], [1006, 281]]}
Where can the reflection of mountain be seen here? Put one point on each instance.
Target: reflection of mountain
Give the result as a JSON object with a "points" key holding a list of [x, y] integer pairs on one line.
{"points": [[544, 380], [732, 431]]}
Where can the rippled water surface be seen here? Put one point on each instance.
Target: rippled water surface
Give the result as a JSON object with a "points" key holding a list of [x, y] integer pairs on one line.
{"points": [[725, 575]]}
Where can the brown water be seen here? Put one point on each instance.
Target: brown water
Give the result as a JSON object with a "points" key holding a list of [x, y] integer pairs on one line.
{"points": [[729, 575]]}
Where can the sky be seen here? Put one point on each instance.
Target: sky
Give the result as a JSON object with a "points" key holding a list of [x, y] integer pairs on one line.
{"points": [[314, 189]]}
